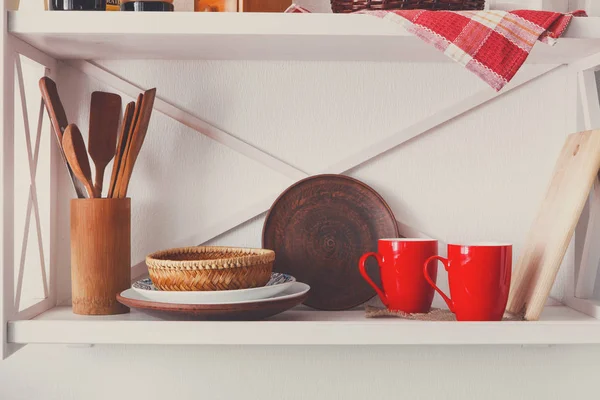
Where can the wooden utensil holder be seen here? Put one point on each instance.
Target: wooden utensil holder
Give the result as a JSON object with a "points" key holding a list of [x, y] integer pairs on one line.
{"points": [[100, 254]]}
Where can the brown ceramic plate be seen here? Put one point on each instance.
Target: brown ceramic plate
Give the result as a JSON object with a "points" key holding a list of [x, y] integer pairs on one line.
{"points": [[241, 311], [319, 228]]}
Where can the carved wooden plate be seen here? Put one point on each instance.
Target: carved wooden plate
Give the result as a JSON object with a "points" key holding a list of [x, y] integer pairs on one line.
{"points": [[319, 228]]}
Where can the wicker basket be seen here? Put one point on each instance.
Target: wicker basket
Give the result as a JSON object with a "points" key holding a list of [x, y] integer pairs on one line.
{"points": [[210, 268], [348, 6]]}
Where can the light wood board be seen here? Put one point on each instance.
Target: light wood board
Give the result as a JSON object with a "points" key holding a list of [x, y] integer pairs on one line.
{"points": [[551, 233]]}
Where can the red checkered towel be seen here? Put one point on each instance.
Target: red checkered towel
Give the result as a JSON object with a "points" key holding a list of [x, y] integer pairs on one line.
{"points": [[492, 44]]}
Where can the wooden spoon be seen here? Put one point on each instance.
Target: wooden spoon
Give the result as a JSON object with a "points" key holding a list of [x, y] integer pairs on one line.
{"points": [[127, 122], [105, 111], [76, 154], [59, 121]]}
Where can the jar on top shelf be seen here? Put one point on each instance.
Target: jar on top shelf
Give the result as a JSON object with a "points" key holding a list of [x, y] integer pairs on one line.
{"points": [[113, 5], [77, 5], [215, 5], [147, 5]]}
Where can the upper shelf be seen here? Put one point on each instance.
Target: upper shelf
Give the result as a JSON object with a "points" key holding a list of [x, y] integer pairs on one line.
{"points": [[253, 36]]}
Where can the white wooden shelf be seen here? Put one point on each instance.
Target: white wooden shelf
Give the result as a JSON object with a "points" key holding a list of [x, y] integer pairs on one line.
{"points": [[253, 36], [50, 36], [559, 325]]}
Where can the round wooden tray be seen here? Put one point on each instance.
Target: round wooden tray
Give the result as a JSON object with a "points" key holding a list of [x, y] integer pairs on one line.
{"points": [[319, 228], [241, 311]]}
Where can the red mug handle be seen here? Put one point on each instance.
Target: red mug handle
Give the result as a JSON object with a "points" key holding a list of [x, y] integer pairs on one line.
{"points": [[444, 261], [363, 272]]}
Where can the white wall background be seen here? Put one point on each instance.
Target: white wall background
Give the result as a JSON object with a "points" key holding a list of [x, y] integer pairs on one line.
{"points": [[479, 177]]}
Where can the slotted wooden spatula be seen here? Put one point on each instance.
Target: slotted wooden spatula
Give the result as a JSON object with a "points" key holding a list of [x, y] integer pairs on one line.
{"points": [[105, 112], [76, 154], [59, 121]]}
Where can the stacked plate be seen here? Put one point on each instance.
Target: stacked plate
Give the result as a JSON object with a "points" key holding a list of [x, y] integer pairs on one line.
{"points": [[185, 282]]}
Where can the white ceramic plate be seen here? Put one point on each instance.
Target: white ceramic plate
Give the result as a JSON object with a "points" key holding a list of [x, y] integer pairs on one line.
{"points": [[296, 289], [277, 284]]}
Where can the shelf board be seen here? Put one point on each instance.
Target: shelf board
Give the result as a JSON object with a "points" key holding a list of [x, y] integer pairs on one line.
{"points": [[253, 36], [302, 326]]}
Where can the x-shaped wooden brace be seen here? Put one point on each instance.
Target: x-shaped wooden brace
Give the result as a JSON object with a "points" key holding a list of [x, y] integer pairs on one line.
{"points": [[231, 221], [32, 201]]}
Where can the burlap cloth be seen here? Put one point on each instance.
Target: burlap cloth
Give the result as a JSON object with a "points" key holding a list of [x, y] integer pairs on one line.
{"points": [[436, 314]]}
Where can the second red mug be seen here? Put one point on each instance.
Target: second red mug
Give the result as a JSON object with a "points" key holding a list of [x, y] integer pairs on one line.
{"points": [[479, 280], [404, 287]]}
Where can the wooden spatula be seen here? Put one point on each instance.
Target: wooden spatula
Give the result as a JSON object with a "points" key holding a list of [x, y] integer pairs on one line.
{"points": [[76, 154], [137, 140], [105, 112], [125, 127], [58, 118], [127, 144]]}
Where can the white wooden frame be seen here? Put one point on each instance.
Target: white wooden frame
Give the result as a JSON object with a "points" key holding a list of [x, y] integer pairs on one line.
{"points": [[579, 293], [11, 70], [592, 7], [581, 74], [553, 5]]}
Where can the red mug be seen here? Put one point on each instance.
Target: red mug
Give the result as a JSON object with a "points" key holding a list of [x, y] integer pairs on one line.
{"points": [[401, 268], [479, 280]]}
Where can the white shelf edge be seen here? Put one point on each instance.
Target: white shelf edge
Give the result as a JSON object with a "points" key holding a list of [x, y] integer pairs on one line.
{"points": [[65, 23], [319, 24], [254, 36], [59, 326]]}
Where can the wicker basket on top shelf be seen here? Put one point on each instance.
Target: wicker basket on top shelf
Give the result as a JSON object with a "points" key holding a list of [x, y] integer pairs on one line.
{"points": [[348, 6]]}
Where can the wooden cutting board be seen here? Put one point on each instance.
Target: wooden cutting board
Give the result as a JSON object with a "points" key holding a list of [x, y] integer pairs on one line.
{"points": [[552, 230]]}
